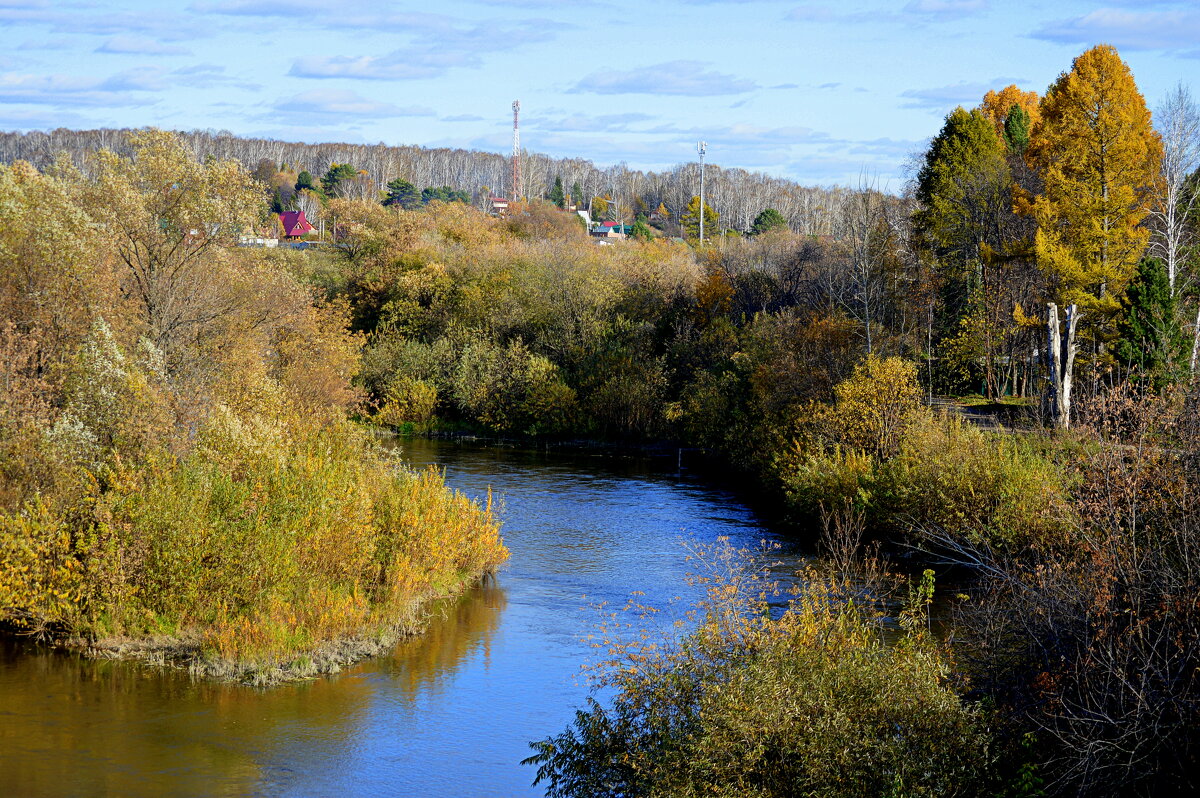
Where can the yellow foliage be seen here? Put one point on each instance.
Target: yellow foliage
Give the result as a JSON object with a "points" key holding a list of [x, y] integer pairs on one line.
{"points": [[874, 405], [1098, 156], [997, 104]]}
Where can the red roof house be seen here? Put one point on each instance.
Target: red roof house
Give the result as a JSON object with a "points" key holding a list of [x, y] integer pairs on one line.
{"points": [[294, 224]]}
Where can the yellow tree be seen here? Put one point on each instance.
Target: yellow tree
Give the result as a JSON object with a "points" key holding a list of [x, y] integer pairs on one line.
{"points": [[996, 106], [172, 221], [1098, 157]]}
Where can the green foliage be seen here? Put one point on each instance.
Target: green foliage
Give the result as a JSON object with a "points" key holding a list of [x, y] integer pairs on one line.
{"points": [[769, 219], [961, 482], [304, 181], [1151, 339], [815, 702], [402, 193], [641, 231], [1016, 130], [690, 220], [334, 176], [963, 186], [557, 196], [444, 194]]}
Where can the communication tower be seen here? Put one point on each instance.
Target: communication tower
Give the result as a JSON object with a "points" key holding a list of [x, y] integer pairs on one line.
{"points": [[517, 188]]}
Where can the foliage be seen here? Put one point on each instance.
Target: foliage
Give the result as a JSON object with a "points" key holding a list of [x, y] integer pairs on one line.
{"points": [[766, 221], [335, 176], [1092, 644], [170, 219], [992, 490], [1004, 107], [690, 219], [873, 407], [813, 702], [444, 194], [556, 195], [173, 454], [1150, 338], [1098, 156], [403, 193]]}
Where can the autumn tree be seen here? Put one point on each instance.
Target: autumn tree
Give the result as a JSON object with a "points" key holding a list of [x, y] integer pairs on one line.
{"points": [[964, 188], [1098, 157], [690, 219], [998, 108], [170, 218], [1179, 121]]}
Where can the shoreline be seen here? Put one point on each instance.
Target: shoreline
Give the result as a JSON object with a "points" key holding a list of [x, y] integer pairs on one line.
{"points": [[185, 652]]}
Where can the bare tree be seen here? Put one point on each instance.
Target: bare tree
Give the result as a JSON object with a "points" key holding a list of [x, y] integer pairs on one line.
{"points": [[1179, 125]]}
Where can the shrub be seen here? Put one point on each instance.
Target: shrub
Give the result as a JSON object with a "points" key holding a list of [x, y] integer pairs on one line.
{"points": [[985, 488], [812, 703]]}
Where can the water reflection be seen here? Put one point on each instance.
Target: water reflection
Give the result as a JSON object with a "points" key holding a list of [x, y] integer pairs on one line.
{"points": [[446, 714]]}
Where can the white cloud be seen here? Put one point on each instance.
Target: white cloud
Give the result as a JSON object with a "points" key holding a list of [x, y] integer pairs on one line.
{"points": [[342, 103], [1132, 30], [944, 98], [140, 45], [686, 78]]}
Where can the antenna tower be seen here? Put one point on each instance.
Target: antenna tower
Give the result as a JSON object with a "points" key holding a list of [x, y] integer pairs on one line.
{"points": [[517, 188]]}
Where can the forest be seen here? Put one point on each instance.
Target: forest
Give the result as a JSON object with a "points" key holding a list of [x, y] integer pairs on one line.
{"points": [[180, 411]]}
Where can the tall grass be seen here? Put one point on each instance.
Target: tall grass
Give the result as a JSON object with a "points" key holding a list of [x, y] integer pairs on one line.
{"points": [[267, 540]]}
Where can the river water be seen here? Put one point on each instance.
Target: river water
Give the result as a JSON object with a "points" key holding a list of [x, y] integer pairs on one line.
{"points": [[447, 714]]}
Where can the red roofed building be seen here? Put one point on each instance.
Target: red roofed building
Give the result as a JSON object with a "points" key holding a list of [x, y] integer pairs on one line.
{"points": [[294, 224]]}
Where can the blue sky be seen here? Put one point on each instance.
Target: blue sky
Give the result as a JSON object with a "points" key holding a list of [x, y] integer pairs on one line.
{"points": [[820, 91]]}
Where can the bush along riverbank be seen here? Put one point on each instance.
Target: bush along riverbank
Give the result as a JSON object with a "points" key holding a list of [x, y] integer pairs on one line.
{"points": [[178, 480]]}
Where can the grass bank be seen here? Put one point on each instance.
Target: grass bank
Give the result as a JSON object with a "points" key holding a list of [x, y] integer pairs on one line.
{"points": [[272, 550]]}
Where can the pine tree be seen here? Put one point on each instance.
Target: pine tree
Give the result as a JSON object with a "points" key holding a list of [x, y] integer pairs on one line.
{"points": [[1151, 339], [1016, 130], [556, 194], [769, 219]]}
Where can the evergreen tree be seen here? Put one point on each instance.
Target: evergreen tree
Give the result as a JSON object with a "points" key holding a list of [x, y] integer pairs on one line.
{"points": [[403, 193], [769, 219], [304, 181], [576, 194], [336, 174], [1016, 130], [1151, 338], [641, 230], [556, 194]]}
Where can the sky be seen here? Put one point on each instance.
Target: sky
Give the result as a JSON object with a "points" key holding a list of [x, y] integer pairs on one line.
{"points": [[823, 92]]}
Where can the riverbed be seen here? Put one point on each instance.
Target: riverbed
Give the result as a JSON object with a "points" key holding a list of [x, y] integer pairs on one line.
{"points": [[447, 714]]}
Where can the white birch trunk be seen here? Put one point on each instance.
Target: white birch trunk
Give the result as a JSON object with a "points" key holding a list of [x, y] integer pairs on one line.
{"points": [[1061, 357]]}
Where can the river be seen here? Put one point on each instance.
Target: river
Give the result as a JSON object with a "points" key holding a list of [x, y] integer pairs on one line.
{"points": [[447, 714]]}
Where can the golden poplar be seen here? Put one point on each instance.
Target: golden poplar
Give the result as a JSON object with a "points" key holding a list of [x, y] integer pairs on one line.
{"points": [[1098, 157]]}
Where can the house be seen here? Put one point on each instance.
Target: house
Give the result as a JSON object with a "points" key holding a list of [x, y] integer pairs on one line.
{"points": [[294, 224], [611, 230], [499, 206]]}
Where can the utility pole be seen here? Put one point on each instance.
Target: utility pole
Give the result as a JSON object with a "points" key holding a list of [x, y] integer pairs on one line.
{"points": [[701, 148], [516, 154]]}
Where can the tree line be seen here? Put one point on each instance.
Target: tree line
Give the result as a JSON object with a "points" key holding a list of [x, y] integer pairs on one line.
{"points": [[738, 196]]}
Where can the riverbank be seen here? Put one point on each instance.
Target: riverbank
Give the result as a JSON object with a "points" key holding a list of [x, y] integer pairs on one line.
{"points": [[188, 652]]}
